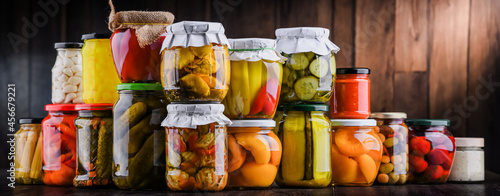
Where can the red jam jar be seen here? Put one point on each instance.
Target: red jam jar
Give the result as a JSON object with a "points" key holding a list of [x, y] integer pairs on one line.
{"points": [[431, 150], [351, 97], [133, 62]]}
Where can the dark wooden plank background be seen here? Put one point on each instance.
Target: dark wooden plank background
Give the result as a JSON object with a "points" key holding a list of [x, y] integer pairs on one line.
{"points": [[430, 58]]}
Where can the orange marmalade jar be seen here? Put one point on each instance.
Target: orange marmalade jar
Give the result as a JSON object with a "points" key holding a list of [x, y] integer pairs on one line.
{"points": [[351, 97]]}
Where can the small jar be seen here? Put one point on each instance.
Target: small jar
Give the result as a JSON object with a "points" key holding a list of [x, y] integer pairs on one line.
{"points": [[432, 149], [351, 98], [59, 144], [99, 76], [196, 147], [67, 74], [138, 138], [195, 63], [304, 131], [393, 134], [94, 143], [356, 152], [28, 158], [254, 153], [468, 165]]}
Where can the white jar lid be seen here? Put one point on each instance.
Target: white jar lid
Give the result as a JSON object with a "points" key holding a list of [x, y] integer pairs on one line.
{"points": [[253, 123], [254, 49], [194, 33], [304, 39], [388, 115], [192, 115], [353, 122], [469, 142]]}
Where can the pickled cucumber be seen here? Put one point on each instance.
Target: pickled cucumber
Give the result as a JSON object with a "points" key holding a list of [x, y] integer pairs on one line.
{"points": [[309, 148], [299, 61], [319, 67], [294, 152], [306, 87], [333, 65], [321, 150], [310, 55]]}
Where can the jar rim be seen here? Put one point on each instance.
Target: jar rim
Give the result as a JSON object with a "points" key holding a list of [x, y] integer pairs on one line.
{"points": [[253, 123], [30, 120], [353, 122], [139, 86], [427, 122], [60, 107], [388, 115], [95, 106], [469, 142]]}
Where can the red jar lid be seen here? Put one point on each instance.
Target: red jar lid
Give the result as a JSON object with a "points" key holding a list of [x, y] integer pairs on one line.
{"points": [[60, 107], [96, 106]]}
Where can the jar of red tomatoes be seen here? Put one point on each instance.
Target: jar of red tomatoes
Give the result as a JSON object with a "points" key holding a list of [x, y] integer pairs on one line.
{"points": [[351, 97], [432, 149], [59, 145]]}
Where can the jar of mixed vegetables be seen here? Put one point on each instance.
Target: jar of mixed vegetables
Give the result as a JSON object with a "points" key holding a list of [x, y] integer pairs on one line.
{"points": [[256, 79], [351, 98], [304, 131], [356, 152], [59, 144], [67, 74], [254, 153], [94, 144], [432, 149], [28, 158], [138, 138], [309, 72], [393, 133], [195, 64], [196, 147]]}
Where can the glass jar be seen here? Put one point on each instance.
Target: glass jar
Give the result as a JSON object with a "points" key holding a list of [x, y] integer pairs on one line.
{"points": [[67, 74], [432, 148], [28, 157], [304, 131], [196, 147], [59, 144], [196, 70], [356, 152], [351, 98], [468, 165], [133, 62], [138, 138], [393, 134], [94, 144], [254, 153], [99, 76]]}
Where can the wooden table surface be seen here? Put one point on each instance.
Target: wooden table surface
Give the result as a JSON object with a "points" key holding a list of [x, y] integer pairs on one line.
{"points": [[490, 187]]}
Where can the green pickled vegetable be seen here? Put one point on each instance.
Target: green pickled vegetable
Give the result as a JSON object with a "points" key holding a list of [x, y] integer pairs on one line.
{"points": [[319, 67], [138, 134], [105, 149], [299, 61], [309, 148], [129, 118], [306, 87], [294, 152], [310, 55]]}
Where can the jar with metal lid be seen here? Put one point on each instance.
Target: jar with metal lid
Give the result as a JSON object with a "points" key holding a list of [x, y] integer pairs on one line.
{"points": [[254, 153], [304, 131], [196, 147], [94, 144], [67, 73], [138, 138], [468, 165], [99, 78], [59, 144], [28, 151], [431, 150], [351, 98], [356, 152]]}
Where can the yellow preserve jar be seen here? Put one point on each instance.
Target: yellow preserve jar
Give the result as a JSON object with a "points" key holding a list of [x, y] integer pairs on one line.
{"points": [[28, 158], [99, 77]]}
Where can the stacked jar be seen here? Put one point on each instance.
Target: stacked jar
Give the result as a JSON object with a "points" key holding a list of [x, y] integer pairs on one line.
{"points": [[28, 156], [301, 123]]}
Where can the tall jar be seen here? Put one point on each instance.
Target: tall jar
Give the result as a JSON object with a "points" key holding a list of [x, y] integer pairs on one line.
{"points": [[309, 72], [28, 158], [351, 98], [432, 149], [255, 83], [304, 131], [94, 144], [59, 145], [196, 142], [393, 133], [195, 63], [99, 76], [138, 138], [356, 152], [67, 74], [254, 153]]}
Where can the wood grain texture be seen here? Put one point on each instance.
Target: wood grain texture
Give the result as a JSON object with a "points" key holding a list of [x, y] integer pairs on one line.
{"points": [[411, 90], [246, 20], [343, 32], [194, 10], [306, 14]]}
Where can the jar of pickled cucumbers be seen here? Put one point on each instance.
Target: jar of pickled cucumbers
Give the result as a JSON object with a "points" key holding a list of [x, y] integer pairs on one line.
{"points": [[195, 63], [94, 143], [431, 150], [309, 72], [99, 78], [28, 158], [67, 74], [196, 147], [138, 138], [356, 152], [351, 98], [254, 153], [393, 134], [59, 145], [304, 131]]}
